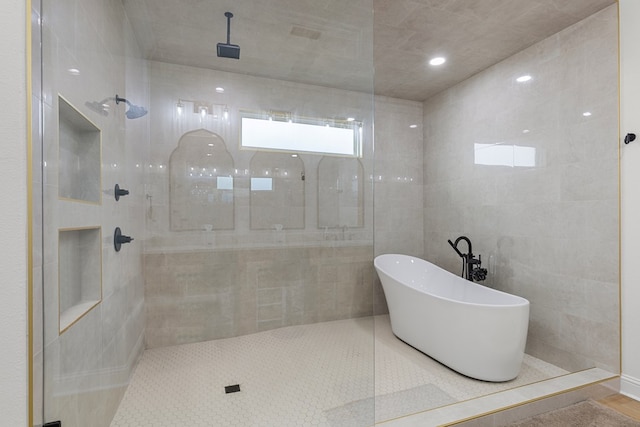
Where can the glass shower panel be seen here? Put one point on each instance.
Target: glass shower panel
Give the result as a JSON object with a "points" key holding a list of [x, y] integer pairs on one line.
{"points": [[340, 193], [259, 266], [285, 304], [277, 181], [93, 77]]}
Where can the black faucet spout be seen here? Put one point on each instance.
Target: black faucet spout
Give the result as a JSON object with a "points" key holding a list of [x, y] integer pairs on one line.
{"points": [[466, 239]]}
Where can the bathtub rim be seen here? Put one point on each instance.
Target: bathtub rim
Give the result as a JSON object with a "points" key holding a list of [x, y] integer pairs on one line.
{"points": [[519, 301]]}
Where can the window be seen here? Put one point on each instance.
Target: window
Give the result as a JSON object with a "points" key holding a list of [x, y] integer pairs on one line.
{"points": [[504, 155], [278, 131]]}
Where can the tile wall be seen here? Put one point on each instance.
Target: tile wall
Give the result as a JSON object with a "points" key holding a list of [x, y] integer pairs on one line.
{"points": [[545, 217], [89, 55], [272, 278], [202, 284], [398, 179], [198, 296]]}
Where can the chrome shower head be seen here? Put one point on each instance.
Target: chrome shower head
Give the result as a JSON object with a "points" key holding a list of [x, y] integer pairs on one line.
{"points": [[134, 111]]}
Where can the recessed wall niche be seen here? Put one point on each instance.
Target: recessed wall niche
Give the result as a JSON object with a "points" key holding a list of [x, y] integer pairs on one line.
{"points": [[79, 273], [202, 184], [79, 148]]}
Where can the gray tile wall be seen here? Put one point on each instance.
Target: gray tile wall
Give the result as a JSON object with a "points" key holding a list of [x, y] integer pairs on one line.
{"points": [[204, 295], [86, 368], [275, 278], [548, 232]]}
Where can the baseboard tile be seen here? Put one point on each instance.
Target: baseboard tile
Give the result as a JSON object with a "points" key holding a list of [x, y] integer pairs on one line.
{"points": [[630, 386]]}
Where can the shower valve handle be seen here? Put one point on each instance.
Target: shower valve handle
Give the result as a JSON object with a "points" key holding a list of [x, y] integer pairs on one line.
{"points": [[118, 192], [119, 239]]}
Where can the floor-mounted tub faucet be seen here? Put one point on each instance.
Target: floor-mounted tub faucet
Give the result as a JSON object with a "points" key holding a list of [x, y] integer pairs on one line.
{"points": [[471, 267]]}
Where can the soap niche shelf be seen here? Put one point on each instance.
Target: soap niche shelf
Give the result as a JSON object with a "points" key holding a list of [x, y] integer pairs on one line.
{"points": [[79, 273], [79, 152]]}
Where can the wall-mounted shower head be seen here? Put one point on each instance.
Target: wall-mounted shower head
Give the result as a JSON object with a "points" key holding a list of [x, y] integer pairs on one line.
{"points": [[134, 111], [228, 50]]}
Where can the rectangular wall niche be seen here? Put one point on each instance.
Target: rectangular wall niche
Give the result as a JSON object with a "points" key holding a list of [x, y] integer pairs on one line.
{"points": [[79, 273], [79, 143]]}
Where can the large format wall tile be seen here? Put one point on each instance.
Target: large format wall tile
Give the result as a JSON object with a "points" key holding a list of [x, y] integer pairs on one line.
{"points": [[548, 231], [204, 295]]}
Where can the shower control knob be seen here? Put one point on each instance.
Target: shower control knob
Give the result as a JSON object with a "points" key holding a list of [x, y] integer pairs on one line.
{"points": [[119, 239], [118, 192]]}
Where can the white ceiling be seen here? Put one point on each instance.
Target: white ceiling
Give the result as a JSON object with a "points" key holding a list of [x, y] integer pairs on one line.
{"points": [[335, 42]]}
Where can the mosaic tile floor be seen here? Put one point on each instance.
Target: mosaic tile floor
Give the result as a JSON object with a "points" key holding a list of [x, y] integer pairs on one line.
{"points": [[323, 374]]}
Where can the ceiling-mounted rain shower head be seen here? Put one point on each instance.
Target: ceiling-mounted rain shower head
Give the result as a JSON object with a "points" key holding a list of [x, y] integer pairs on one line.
{"points": [[134, 111], [228, 50]]}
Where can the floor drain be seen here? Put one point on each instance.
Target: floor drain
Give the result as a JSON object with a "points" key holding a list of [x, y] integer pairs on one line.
{"points": [[232, 388]]}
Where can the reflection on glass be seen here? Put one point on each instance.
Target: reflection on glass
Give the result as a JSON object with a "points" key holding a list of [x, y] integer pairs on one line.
{"points": [[504, 155], [261, 184], [277, 191], [224, 183], [340, 192], [311, 137], [201, 191]]}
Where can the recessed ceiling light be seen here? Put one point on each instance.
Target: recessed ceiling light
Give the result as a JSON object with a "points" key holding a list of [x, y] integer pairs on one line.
{"points": [[74, 71], [437, 61], [220, 89], [525, 131], [413, 126], [523, 79], [586, 113]]}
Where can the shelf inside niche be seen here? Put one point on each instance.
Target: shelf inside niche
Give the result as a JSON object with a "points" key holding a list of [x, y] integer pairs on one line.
{"points": [[79, 273], [79, 152]]}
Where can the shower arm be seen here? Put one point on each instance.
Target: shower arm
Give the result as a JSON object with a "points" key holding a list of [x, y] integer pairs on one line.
{"points": [[229, 15], [119, 100]]}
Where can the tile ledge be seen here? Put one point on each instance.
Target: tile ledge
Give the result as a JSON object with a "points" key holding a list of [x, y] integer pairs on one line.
{"points": [[469, 409]]}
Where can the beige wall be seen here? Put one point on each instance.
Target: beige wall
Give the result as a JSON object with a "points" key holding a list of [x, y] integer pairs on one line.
{"points": [[398, 177], [630, 207], [549, 232], [87, 366], [198, 296], [249, 278], [310, 288], [13, 207]]}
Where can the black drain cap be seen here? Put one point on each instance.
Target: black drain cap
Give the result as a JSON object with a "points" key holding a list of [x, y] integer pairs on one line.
{"points": [[232, 388]]}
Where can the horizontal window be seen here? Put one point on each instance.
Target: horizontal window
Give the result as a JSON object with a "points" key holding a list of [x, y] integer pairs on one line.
{"points": [[504, 155], [341, 138]]}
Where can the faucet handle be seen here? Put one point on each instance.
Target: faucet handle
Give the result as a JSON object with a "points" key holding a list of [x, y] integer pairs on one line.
{"points": [[478, 274]]}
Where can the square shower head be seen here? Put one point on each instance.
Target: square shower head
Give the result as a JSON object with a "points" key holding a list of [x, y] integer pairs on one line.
{"points": [[226, 50]]}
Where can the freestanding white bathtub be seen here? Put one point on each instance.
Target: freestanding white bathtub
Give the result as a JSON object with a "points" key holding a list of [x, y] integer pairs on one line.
{"points": [[478, 331]]}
